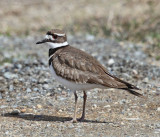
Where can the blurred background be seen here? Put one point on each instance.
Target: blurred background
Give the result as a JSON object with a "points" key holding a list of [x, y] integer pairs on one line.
{"points": [[134, 20]]}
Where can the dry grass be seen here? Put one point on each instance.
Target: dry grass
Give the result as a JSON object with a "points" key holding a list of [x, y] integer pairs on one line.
{"points": [[137, 20]]}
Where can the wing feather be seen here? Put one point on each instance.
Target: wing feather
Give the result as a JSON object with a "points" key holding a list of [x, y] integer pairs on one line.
{"points": [[83, 68]]}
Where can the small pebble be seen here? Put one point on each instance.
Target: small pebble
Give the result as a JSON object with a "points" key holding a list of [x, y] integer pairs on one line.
{"points": [[21, 79], [94, 106], [116, 103], [23, 110], [111, 61], [48, 125], [11, 88], [3, 106], [0, 95], [34, 80], [50, 103], [145, 105], [30, 110], [45, 86], [153, 91], [15, 112], [7, 132], [158, 109], [123, 101], [39, 106], [107, 106], [122, 123], [146, 80], [132, 119], [15, 81], [134, 72], [129, 114], [10, 75], [35, 89], [19, 66], [60, 110], [28, 90]]}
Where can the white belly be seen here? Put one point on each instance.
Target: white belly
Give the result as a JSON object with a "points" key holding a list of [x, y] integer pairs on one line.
{"points": [[72, 85]]}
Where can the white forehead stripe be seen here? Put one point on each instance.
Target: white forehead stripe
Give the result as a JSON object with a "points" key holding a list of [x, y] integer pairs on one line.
{"points": [[59, 34], [49, 37]]}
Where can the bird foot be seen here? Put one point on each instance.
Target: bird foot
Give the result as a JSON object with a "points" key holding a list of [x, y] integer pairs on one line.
{"points": [[81, 119], [74, 120]]}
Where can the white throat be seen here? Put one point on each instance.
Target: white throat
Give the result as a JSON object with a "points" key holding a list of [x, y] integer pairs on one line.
{"points": [[57, 45]]}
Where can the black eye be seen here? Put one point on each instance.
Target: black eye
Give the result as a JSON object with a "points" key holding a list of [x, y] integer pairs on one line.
{"points": [[55, 36]]}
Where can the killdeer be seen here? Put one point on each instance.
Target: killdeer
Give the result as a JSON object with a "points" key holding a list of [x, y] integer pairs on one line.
{"points": [[78, 70]]}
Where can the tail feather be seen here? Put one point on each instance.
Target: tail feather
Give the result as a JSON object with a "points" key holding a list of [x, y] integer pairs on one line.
{"points": [[133, 92], [125, 85], [130, 88]]}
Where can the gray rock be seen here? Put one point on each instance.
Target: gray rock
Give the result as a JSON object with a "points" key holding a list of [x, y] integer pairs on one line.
{"points": [[35, 89], [28, 90], [123, 101], [3, 106], [127, 75], [0, 95], [46, 86], [34, 80], [49, 103], [19, 66], [10, 75], [11, 88], [21, 79]]}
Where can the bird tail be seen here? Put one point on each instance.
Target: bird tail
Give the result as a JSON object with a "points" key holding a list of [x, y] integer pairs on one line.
{"points": [[121, 84], [130, 88], [133, 92]]}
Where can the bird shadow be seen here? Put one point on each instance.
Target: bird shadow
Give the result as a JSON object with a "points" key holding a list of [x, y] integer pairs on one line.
{"points": [[32, 117]]}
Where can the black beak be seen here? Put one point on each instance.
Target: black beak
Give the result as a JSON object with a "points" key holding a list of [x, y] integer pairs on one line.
{"points": [[43, 41]]}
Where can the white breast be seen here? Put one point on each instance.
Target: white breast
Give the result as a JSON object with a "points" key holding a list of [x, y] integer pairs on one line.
{"points": [[71, 85]]}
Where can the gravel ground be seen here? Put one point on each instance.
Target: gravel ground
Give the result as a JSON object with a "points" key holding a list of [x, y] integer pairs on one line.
{"points": [[32, 103]]}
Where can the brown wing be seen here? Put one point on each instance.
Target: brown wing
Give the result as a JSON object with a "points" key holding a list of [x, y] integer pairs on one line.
{"points": [[76, 65], [74, 68]]}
